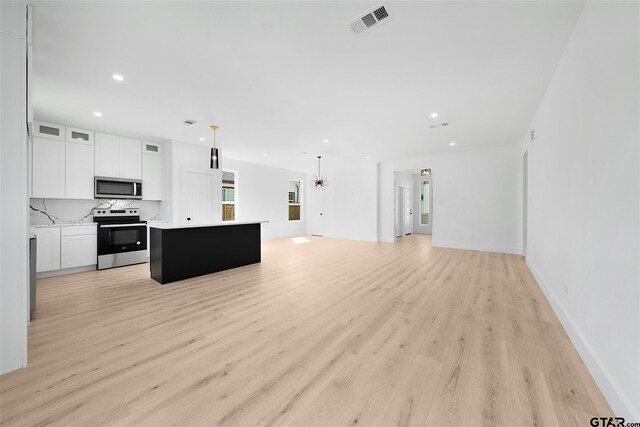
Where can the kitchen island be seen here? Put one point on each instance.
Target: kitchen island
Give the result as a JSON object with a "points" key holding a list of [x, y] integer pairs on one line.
{"points": [[182, 251]]}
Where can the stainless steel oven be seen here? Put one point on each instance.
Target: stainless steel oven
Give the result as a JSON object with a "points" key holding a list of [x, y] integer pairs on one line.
{"points": [[122, 237], [117, 188]]}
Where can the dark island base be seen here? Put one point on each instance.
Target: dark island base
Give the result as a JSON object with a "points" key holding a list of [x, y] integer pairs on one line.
{"points": [[182, 253]]}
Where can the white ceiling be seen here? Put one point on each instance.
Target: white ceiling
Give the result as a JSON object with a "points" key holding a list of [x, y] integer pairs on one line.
{"points": [[279, 77]]}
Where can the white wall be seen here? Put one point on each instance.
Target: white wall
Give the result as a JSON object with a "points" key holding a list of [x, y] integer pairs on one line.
{"points": [[13, 190], [584, 195], [263, 194], [262, 191], [477, 198], [351, 210]]}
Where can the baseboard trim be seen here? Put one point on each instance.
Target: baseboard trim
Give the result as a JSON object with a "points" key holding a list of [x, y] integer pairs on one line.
{"points": [[616, 398], [476, 247], [53, 273]]}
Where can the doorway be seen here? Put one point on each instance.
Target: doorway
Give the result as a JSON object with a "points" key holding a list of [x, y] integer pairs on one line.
{"points": [[423, 221], [408, 210], [399, 211]]}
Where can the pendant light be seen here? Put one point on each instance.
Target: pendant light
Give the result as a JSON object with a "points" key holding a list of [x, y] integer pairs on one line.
{"points": [[215, 157], [319, 183]]}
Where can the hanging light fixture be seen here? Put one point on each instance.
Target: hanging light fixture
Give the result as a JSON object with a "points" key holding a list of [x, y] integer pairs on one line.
{"points": [[319, 183], [215, 157]]}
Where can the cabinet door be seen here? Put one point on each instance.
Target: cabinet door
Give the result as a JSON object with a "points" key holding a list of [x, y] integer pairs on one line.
{"points": [[48, 169], [78, 251], [107, 155], [151, 177], [131, 159], [48, 251], [79, 171]]}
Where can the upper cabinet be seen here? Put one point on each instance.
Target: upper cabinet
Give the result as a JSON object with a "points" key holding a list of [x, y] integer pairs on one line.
{"points": [[79, 170], [130, 158], [48, 168], [117, 157], [79, 135], [151, 171], [65, 161], [50, 131]]}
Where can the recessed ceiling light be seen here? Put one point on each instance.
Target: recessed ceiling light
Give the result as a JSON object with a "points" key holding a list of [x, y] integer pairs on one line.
{"points": [[202, 139], [452, 144], [118, 77], [434, 115], [97, 113], [265, 154], [367, 157], [325, 140]]}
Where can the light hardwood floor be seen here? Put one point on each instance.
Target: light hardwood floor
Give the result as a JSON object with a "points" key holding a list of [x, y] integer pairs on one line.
{"points": [[326, 333]]}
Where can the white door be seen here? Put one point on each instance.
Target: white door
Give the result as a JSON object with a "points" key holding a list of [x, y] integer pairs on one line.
{"points": [[79, 171], [197, 197], [317, 212], [48, 249], [48, 169], [408, 210], [399, 209], [78, 251]]}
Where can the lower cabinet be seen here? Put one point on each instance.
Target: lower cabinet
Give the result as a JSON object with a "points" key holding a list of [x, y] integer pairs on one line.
{"points": [[48, 249], [78, 251], [66, 247]]}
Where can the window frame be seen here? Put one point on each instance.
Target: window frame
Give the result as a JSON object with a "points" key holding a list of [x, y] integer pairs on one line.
{"points": [[236, 192]]}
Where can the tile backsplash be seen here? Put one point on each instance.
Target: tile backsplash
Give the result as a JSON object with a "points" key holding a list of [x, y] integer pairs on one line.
{"points": [[61, 211]]}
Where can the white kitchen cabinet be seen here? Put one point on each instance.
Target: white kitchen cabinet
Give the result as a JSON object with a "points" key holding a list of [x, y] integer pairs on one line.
{"points": [[79, 135], [48, 168], [151, 177], [49, 131], [78, 246], [117, 157], [79, 170], [48, 249], [130, 158], [107, 155]]}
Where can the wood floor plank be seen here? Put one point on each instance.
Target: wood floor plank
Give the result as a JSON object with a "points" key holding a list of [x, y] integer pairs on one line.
{"points": [[331, 332]]}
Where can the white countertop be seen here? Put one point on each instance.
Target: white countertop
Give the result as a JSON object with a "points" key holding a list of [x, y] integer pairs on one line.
{"points": [[77, 224], [169, 226]]}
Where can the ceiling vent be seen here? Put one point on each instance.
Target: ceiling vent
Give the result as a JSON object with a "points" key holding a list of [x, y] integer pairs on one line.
{"points": [[532, 135], [188, 122], [368, 19], [439, 125]]}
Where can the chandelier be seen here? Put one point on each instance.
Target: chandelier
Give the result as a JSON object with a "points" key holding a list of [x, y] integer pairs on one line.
{"points": [[319, 183]]}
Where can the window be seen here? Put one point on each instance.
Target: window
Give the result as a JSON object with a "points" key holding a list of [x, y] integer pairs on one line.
{"points": [[294, 200], [229, 195], [424, 202]]}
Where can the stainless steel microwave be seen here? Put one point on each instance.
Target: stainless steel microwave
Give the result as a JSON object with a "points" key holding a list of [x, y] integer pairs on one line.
{"points": [[117, 188]]}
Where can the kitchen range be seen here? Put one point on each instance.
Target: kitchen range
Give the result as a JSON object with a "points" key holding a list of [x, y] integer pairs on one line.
{"points": [[122, 237]]}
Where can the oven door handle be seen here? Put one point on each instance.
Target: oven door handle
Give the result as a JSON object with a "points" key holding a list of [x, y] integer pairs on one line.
{"points": [[122, 225]]}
